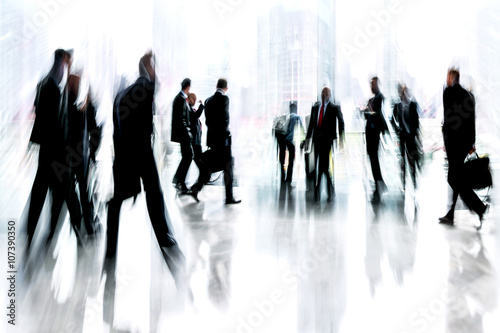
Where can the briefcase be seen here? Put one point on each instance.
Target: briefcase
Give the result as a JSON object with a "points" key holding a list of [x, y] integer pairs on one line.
{"points": [[477, 172]]}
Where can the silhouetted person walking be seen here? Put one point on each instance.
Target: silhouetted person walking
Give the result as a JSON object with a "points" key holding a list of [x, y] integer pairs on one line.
{"points": [[323, 130], [407, 125], [134, 160], [459, 134], [219, 156], [195, 126], [375, 126], [181, 133], [286, 142], [50, 131]]}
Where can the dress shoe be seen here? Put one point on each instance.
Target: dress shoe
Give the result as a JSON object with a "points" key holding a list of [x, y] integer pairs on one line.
{"points": [[193, 192], [181, 187], [232, 201], [375, 197], [481, 217], [446, 220]]}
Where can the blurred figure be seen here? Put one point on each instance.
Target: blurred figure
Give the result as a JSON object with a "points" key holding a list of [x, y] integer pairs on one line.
{"points": [[459, 135], [181, 133], [134, 159], [50, 131], [286, 142], [375, 125], [219, 156], [84, 137], [195, 126], [406, 123], [323, 130]]}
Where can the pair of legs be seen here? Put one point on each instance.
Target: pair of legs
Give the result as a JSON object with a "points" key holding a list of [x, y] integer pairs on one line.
{"points": [[182, 170], [456, 179], [160, 221], [372, 145], [283, 145], [156, 208], [409, 152], [218, 158], [322, 151], [61, 188]]}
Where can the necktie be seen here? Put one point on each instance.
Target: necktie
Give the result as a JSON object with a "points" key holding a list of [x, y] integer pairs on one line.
{"points": [[320, 116]]}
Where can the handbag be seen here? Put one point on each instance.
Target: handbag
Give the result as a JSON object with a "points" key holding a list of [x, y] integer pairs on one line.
{"points": [[477, 172]]}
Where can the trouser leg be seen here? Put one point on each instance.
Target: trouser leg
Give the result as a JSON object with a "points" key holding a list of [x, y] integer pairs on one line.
{"points": [[187, 157], [291, 159], [372, 145], [114, 206], [156, 203], [228, 174], [37, 199]]}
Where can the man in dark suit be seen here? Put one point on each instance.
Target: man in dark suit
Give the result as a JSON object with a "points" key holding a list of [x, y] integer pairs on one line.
{"points": [[50, 131], [375, 125], [219, 156], [406, 123], [323, 130], [195, 126], [459, 134], [181, 133], [134, 159]]}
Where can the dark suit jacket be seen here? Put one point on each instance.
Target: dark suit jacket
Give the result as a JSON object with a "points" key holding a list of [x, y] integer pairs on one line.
{"points": [[377, 120], [180, 119], [195, 124], [49, 128], [133, 127], [84, 136], [328, 129], [459, 122], [217, 120], [397, 116]]}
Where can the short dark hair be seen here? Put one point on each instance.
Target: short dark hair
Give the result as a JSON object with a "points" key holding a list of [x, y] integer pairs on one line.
{"points": [[455, 73], [222, 83], [59, 55], [293, 107], [376, 79], [185, 83]]}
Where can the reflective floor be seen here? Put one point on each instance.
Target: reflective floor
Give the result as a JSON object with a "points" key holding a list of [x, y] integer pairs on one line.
{"points": [[277, 262]]}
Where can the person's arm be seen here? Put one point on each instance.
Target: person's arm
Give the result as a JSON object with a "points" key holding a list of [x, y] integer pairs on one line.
{"points": [[340, 118], [180, 109], [226, 112], [198, 113], [311, 126]]}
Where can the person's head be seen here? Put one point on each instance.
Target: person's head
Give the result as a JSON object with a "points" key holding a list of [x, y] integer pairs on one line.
{"points": [[222, 84], [69, 58], [293, 108], [186, 85], [61, 59], [453, 77], [192, 99], [326, 94], [146, 66], [374, 85], [403, 92]]}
